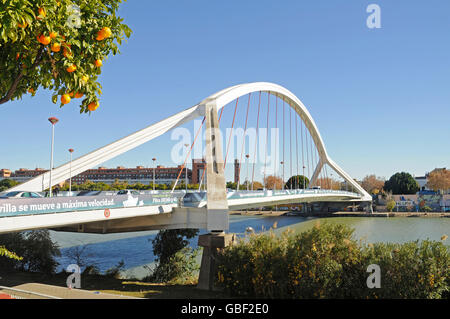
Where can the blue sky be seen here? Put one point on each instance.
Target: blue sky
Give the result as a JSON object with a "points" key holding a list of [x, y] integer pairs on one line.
{"points": [[380, 97]]}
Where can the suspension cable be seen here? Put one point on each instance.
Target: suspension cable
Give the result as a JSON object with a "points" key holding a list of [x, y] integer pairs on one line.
{"points": [[307, 157], [303, 154], [276, 143], [189, 153], [256, 142], [231, 133], [296, 143], [290, 142], [243, 142], [312, 164], [316, 164], [267, 138], [283, 145]]}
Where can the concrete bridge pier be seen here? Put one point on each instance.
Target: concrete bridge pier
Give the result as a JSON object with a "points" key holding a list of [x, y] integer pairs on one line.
{"points": [[217, 203], [212, 244]]}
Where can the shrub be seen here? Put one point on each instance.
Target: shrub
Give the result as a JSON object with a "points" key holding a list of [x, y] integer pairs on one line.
{"points": [[114, 272], [175, 262], [179, 268], [390, 205], [410, 270], [326, 262]]}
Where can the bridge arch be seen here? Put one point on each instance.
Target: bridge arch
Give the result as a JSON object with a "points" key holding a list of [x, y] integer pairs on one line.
{"points": [[220, 99], [228, 95]]}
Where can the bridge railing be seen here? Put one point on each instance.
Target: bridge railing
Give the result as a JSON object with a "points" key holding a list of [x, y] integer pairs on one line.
{"points": [[105, 200]]}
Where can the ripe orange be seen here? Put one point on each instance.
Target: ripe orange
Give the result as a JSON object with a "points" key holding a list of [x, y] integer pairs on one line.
{"points": [[85, 78], [65, 98], [98, 63], [71, 68], [42, 13], [93, 106], [78, 95], [100, 36], [71, 94], [56, 47], [107, 32], [44, 39], [103, 34], [67, 53], [53, 34], [17, 56], [31, 90], [24, 25]]}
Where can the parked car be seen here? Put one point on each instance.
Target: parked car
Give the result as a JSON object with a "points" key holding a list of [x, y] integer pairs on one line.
{"points": [[89, 193], [127, 191], [20, 194]]}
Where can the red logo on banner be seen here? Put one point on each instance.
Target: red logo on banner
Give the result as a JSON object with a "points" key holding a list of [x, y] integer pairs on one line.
{"points": [[107, 213]]}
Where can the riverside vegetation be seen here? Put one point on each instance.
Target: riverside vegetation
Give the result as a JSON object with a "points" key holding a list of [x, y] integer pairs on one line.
{"points": [[323, 262], [327, 262]]}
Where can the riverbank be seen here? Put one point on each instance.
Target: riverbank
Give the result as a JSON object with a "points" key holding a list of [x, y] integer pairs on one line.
{"points": [[341, 214]]}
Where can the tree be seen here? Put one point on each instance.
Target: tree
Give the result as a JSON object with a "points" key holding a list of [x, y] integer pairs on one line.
{"points": [[401, 183], [390, 205], [231, 185], [439, 179], [297, 181], [273, 182], [79, 255], [256, 185], [36, 248], [172, 255], [57, 45], [372, 184], [7, 184], [328, 183]]}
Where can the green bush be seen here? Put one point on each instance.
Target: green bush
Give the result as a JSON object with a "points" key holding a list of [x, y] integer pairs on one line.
{"points": [[390, 205], [178, 268], [175, 262], [326, 262]]}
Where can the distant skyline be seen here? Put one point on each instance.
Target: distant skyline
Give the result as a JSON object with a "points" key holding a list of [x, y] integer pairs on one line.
{"points": [[380, 97]]}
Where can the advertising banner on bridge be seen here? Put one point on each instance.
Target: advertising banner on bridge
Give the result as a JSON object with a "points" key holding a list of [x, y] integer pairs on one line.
{"points": [[32, 206]]}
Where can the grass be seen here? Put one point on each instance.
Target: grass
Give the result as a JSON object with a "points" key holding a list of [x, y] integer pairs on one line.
{"points": [[134, 288]]}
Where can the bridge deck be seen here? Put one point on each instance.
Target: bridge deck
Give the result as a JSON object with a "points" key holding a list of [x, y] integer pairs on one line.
{"points": [[24, 214]]}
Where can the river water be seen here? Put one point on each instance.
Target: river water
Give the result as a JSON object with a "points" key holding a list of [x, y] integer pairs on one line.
{"points": [[135, 249]]}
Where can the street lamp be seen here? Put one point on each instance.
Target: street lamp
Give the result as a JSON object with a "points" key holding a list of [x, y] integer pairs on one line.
{"points": [[186, 176], [304, 179], [70, 176], [247, 156], [154, 165], [52, 120]]}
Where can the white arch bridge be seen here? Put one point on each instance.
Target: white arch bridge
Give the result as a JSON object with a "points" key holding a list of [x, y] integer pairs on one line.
{"points": [[201, 209]]}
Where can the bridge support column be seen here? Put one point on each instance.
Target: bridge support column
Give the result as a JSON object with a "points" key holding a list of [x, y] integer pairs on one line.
{"points": [[369, 208], [216, 200], [212, 243]]}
